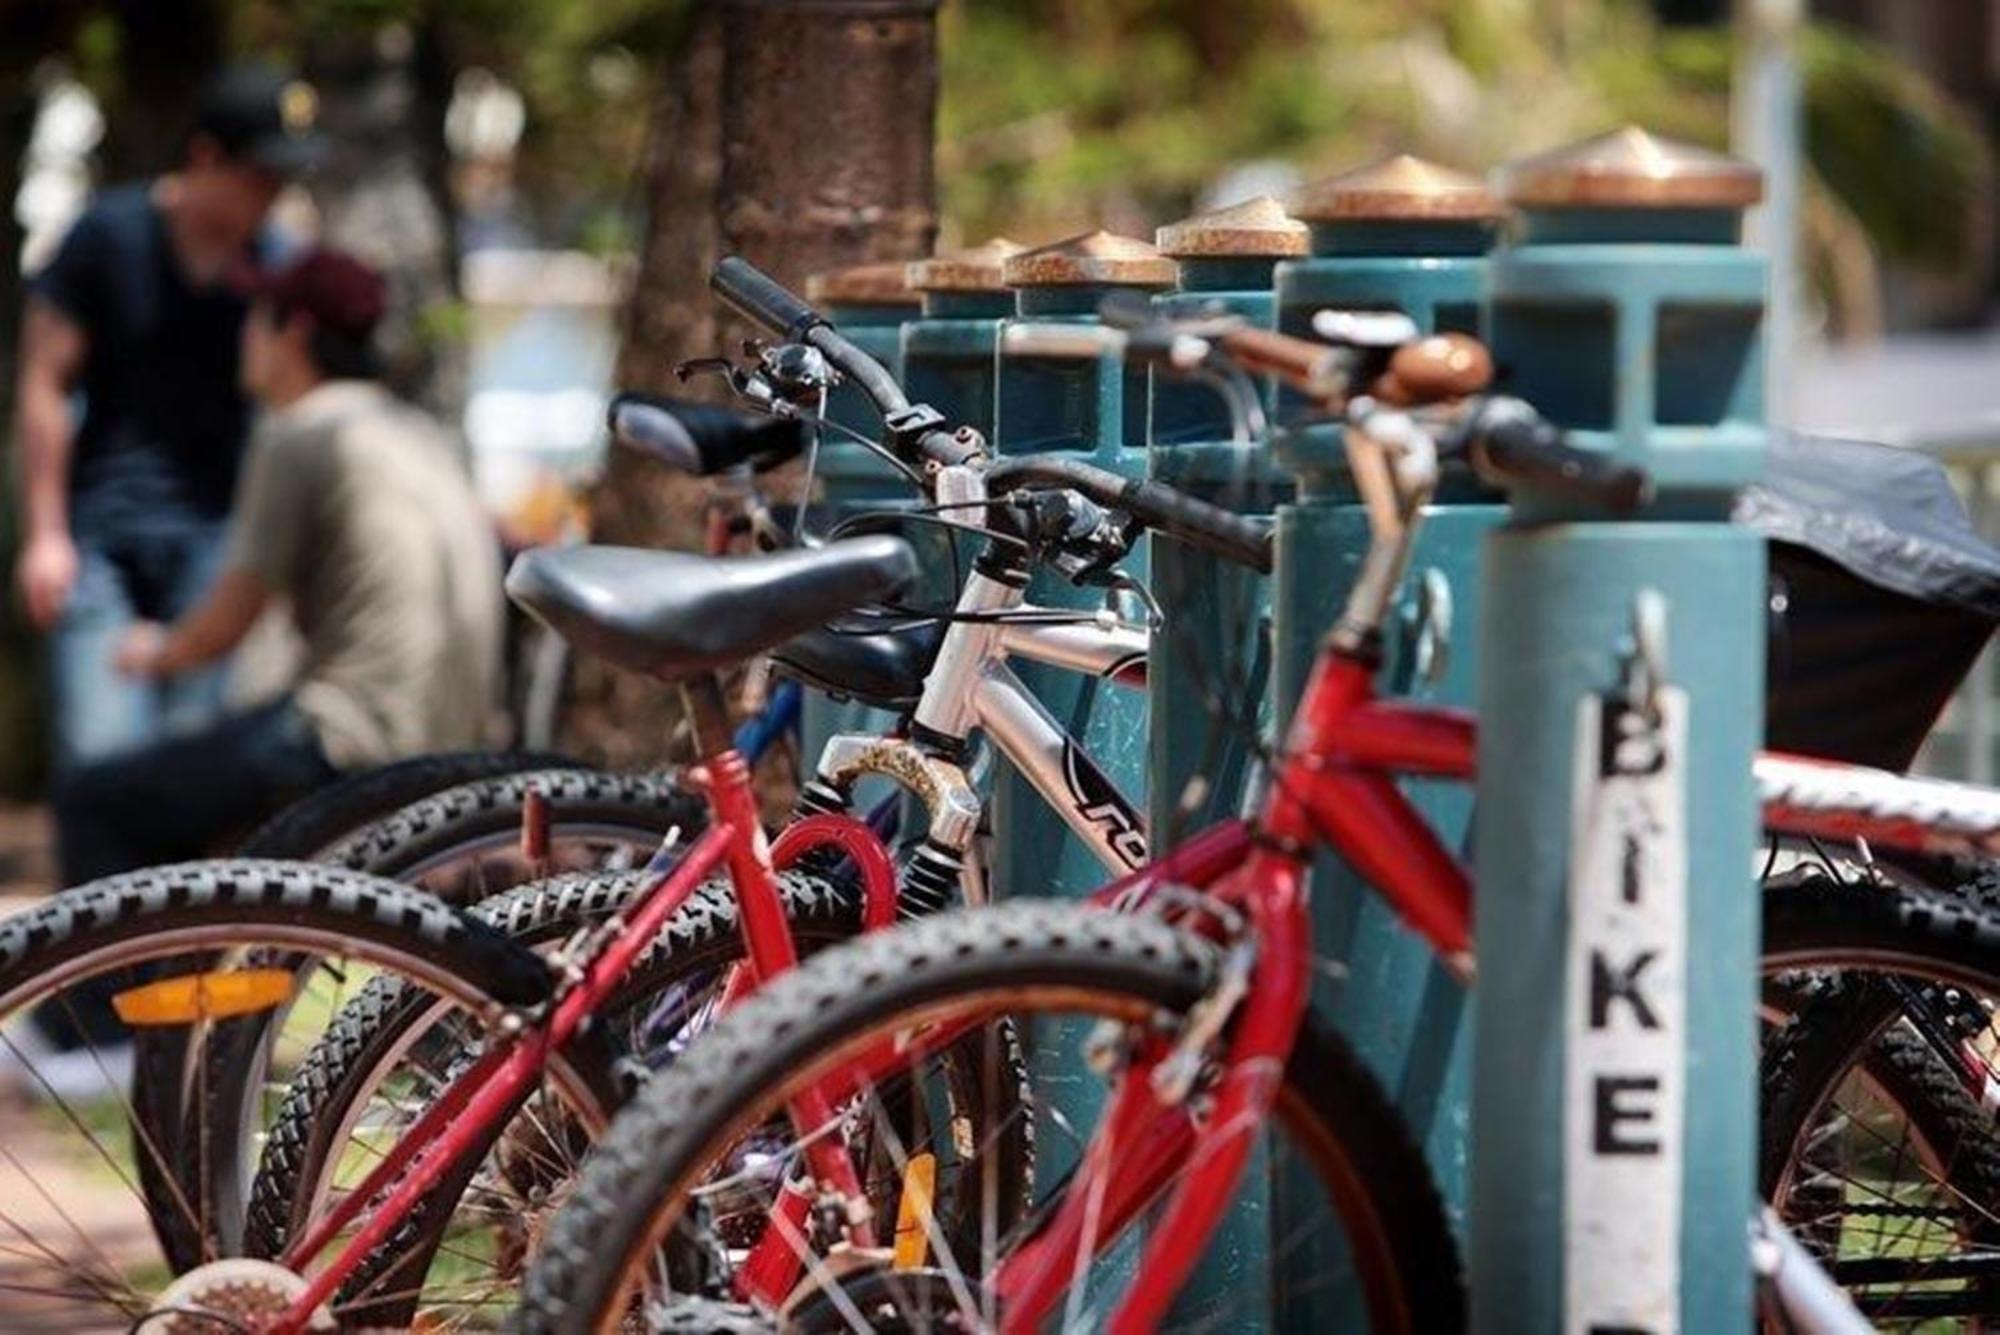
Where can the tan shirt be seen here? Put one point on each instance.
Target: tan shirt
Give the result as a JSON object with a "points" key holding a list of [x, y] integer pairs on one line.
{"points": [[354, 506]]}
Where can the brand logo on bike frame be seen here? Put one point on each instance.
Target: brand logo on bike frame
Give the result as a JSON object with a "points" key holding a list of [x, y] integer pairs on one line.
{"points": [[1098, 802]]}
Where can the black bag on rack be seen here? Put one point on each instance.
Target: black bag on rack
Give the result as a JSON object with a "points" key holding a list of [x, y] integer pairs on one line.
{"points": [[1881, 597]]}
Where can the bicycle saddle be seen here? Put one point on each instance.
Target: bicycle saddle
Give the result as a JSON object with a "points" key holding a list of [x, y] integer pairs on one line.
{"points": [[882, 668], [675, 614]]}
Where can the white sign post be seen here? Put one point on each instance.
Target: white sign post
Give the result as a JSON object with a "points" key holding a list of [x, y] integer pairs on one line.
{"points": [[1625, 1070]]}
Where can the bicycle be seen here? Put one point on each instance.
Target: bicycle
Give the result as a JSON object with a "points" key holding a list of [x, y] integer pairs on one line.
{"points": [[949, 706], [1192, 974], [630, 925], [194, 997], [378, 1027], [465, 826]]}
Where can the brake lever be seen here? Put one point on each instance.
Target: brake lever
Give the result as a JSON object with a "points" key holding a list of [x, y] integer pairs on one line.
{"points": [[685, 371]]}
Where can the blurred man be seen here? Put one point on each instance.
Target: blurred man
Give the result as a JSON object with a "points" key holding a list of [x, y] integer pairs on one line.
{"points": [[355, 509], [122, 512]]}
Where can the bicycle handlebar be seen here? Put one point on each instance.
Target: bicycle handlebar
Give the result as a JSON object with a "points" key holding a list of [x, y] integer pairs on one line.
{"points": [[762, 299], [1510, 444], [1077, 342], [700, 437], [1155, 505], [1313, 368]]}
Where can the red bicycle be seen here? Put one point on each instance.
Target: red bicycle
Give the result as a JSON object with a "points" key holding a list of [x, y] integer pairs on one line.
{"points": [[1182, 990]]}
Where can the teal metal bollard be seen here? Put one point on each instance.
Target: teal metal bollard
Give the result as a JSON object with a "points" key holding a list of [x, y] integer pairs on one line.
{"points": [[949, 353], [1097, 410], [1406, 235], [1627, 312], [870, 303], [1213, 650], [1214, 647]]}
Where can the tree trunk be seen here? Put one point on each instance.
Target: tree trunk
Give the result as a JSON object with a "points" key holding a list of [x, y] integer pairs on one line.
{"points": [[799, 134]]}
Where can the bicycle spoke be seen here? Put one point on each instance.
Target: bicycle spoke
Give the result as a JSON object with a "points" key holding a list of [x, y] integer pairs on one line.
{"points": [[900, 1158]]}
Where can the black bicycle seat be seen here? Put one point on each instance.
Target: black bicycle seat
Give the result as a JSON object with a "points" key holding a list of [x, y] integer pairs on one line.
{"points": [[881, 668], [675, 614]]}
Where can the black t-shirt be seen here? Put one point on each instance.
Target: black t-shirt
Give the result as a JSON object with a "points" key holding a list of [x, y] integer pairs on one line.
{"points": [[164, 422]]}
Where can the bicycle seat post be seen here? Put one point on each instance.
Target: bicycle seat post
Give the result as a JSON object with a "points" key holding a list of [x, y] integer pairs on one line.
{"points": [[708, 715]]}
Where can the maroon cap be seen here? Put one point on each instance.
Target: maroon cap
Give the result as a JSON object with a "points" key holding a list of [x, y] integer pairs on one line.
{"points": [[339, 292]]}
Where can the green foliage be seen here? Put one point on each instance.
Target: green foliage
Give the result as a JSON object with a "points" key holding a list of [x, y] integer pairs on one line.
{"points": [[1911, 166], [1056, 116], [584, 69], [1060, 114]]}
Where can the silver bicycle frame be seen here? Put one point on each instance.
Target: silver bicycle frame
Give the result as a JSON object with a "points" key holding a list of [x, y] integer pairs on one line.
{"points": [[971, 688]]}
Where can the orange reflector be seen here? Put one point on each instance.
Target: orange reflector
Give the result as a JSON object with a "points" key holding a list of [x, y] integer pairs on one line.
{"points": [[913, 1215], [203, 996]]}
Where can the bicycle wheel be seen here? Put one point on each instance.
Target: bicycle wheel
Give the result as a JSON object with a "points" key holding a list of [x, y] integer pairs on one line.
{"points": [[309, 826], [383, 1060], [303, 831], [1876, 1145], [463, 844], [679, 1160], [198, 948]]}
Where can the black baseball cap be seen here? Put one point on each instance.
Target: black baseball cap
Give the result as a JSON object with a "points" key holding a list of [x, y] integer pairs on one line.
{"points": [[260, 115]]}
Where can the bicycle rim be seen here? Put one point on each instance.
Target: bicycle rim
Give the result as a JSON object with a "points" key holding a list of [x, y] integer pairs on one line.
{"points": [[933, 1270], [1878, 1155], [80, 1237], [386, 1061]]}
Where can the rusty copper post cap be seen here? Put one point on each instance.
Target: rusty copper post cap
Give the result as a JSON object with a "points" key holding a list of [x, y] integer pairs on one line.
{"points": [[885, 284], [1255, 228], [1401, 188], [1089, 259], [1632, 169], [974, 270]]}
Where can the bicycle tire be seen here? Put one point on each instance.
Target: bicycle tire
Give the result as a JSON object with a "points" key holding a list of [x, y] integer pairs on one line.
{"points": [[701, 935], [1846, 1026], [444, 823], [302, 831], [1818, 918], [1846, 1023], [315, 822], [438, 831], [624, 1200], [190, 912]]}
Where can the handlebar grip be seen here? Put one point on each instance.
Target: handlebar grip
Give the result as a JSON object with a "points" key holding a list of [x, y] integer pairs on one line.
{"points": [[762, 299], [1310, 367], [1211, 528], [1511, 444], [701, 437]]}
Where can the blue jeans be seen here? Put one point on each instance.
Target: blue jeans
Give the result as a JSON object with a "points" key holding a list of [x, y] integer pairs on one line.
{"points": [[95, 709]]}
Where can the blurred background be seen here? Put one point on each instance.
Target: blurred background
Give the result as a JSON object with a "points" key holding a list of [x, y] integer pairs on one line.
{"points": [[547, 182]]}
